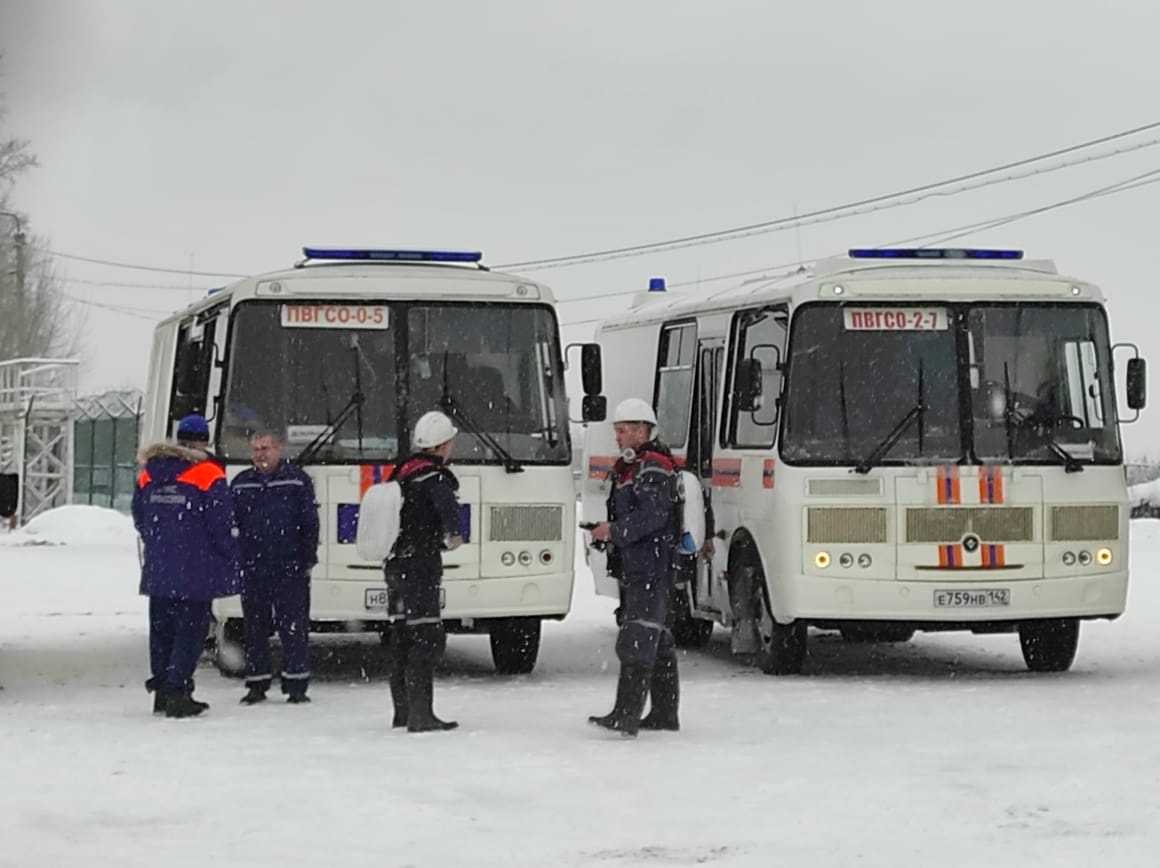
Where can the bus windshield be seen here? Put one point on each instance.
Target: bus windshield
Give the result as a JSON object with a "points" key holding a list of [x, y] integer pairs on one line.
{"points": [[1037, 381], [301, 369], [500, 367]]}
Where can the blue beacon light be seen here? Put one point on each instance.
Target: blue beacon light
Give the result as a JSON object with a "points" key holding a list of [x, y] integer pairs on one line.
{"points": [[375, 255], [656, 284], [933, 253]]}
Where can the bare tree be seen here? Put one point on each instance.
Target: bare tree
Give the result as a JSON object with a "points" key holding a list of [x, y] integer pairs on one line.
{"points": [[35, 319]]}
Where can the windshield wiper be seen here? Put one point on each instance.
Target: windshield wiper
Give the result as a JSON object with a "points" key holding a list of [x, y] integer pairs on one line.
{"points": [[327, 434], [1025, 423], [917, 412], [452, 408], [1070, 463]]}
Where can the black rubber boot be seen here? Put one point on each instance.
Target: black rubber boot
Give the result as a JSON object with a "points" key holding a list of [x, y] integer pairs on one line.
{"points": [[183, 704], [297, 698], [399, 696], [420, 695], [159, 696], [256, 694], [631, 693], [665, 690]]}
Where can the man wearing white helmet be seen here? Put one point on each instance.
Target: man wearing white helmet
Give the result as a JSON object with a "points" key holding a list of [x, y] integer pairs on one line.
{"points": [[643, 529], [428, 525]]}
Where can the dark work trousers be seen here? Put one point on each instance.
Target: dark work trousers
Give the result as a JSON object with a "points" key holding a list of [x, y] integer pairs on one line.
{"points": [[645, 625], [413, 602], [281, 602], [177, 634]]}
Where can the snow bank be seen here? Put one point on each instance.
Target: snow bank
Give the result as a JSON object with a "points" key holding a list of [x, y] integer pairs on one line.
{"points": [[74, 525], [1144, 493]]}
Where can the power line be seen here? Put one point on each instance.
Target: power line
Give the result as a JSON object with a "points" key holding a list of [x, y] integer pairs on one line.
{"points": [[1136, 181], [136, 267], [1142, 180], [166, 287], [803, 219], [137, 312]]}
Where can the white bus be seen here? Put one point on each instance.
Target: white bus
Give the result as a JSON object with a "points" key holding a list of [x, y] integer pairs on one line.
{"points": [[893, 441], [341, 354]]}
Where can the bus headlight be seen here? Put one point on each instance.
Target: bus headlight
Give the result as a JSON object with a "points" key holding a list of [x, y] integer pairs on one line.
{"points": [[864, 560], [526, 559], [1085, 559], [822, 560], [1103, 556], [507, 559], [846, 560], [1069, 559]]}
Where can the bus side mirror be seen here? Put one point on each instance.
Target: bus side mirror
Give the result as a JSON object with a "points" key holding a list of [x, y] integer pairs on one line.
{"points": [[748, 388], [1137, 383], [594, 408], [591, 376]]}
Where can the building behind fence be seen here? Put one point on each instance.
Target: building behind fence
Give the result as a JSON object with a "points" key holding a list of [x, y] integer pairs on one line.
{"points": [[105, 437]]}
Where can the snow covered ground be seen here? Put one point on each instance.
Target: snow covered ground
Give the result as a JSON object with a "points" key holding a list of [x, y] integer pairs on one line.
{"points": [[942, 751]]}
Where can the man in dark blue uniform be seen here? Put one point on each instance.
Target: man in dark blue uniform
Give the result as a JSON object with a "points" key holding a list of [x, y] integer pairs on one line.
{"points": [[277, 517], [184, 513], [428, 526], [643, 528]]}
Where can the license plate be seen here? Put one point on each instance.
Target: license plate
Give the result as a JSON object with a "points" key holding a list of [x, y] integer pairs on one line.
{"points": [[984, 598], [375, 599]]}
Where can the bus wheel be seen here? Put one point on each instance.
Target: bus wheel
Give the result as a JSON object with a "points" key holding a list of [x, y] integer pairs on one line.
{"points": [[229, 640], [877, 634], [515, 645], [1049, 645], [689, 631], [781, 648]]}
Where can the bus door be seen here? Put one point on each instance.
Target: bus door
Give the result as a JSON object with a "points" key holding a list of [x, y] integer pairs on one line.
{"points": [[703, 427]]}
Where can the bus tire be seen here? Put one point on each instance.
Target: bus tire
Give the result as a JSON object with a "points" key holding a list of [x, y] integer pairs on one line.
{"points": [[1049, 645], [689, 631], [781, 648], [515, 645], [229, 642]]}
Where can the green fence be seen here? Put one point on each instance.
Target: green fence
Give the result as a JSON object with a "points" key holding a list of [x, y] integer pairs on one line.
{"points": [[105, 437]]}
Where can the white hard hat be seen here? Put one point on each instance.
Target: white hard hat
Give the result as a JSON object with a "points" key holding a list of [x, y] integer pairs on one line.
{"points": [[635, 410], [433, 429]]}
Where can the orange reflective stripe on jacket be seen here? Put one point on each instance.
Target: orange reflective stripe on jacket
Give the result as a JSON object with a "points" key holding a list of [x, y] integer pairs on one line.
{"points": [[202, 475], [143, 479]]}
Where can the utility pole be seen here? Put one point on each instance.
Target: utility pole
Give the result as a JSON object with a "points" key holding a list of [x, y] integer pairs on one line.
{"points": [[18, 240]]}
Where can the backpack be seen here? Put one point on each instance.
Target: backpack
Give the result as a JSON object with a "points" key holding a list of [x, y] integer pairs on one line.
{"points": [[379, 518]]}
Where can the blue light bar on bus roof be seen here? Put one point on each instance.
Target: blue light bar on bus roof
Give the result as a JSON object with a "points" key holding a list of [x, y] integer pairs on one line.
{"points": [[392, 255], [933, 253]]}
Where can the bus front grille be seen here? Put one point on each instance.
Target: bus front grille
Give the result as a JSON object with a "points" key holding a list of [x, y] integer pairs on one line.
{"points": [[526, 523], [825, 524], [950, 524], [1085, 523]]}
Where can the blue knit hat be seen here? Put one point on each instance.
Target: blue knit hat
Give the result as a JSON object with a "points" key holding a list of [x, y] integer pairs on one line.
{"points": [[193, 427]]}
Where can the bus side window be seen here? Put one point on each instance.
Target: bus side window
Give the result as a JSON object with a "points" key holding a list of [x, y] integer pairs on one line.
{"points": [[674, 383], [759, 336], [193, 364]]}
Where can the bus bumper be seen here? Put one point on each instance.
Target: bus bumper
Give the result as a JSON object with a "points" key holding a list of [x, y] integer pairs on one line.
{"points": [[822, 599], [548, 595]]}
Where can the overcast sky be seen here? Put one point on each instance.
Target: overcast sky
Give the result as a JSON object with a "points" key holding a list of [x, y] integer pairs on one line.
{"points": [[222, 136]]}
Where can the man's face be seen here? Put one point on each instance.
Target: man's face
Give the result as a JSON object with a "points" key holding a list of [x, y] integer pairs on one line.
{"points": [[631, 435], [265, 452]]}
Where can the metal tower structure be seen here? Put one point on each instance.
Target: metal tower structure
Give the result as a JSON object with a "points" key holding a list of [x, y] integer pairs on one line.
{"points": [[38, 400]]}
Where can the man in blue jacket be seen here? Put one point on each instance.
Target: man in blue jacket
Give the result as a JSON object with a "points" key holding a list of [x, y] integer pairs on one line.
{"points": [[184, 513], [643, 530], [277, 517]]}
